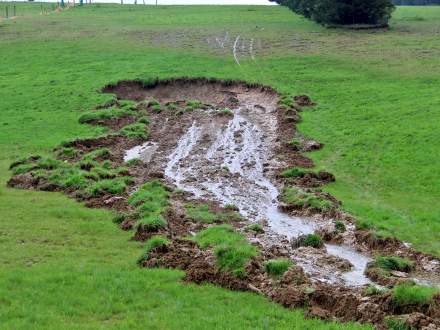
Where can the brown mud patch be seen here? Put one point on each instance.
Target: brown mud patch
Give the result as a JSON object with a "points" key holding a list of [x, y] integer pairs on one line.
{"points": [[258, 116]]}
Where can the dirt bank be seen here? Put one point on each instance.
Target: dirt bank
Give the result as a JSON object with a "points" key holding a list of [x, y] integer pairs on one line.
{"points": [[227, 145]]}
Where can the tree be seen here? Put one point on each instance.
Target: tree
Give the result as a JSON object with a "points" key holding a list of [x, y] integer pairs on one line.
{"points": [[342, 12]]}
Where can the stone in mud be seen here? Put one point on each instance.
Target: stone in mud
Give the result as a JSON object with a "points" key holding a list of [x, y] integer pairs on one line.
{"points": [[303, 100], [294, 276], [340, 264], [318, 312], [23, 181], [291, 297], [418, 321], [312, 145], [369, 312]]}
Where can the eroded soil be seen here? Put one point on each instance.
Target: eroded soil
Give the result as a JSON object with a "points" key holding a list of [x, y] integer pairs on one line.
{"points": [[230, 150]]}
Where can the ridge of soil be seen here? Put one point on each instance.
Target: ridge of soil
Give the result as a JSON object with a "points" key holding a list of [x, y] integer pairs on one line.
{"points": [[293, 289]]}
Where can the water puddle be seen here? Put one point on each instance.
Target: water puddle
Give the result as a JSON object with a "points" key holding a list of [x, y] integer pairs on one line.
{"points": [[143, 152]]}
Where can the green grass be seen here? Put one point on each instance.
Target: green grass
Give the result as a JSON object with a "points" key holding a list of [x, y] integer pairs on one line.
{"points": [[277, 267], [293, 172], [137, 130], [231, 249], [153, 243], [407, 294], [255, 227], [150, 201], [313, 240], [201, 213], [299, 198], [394, 263], [110, 113], [63, 265]]}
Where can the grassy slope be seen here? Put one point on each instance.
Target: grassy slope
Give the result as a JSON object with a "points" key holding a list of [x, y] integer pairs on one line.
{"points": [[64, 264]]}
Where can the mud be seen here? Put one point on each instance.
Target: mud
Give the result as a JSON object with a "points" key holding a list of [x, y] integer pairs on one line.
{"points": [[234, 159]]}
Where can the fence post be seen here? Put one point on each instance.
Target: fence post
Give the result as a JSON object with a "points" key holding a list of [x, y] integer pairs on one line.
{"points": [[15, 11], [7, 11]]}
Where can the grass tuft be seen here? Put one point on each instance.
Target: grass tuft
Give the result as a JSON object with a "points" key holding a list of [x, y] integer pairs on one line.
{"points": [[231, 249], [255, 227], [298, 198], [408, 294], [153, 243], [137, 130], [277, 267], [394, 263]]}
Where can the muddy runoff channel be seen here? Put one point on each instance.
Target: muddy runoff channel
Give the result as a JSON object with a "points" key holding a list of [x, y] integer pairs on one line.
{"points": [[234, 159], [226, 145], [231, 162]]}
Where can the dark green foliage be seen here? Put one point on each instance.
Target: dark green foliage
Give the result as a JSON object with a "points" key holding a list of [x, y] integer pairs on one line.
{"points": [[135, 130], [409, 294], [120, 218], [342, 12], [340, 226], [231, 249], [143, 120], [153, 243], [313, 240], [277, 267], [302, 199], [394, 263]]}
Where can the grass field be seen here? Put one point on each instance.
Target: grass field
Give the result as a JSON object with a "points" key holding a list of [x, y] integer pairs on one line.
{"points": [[62, 265]]}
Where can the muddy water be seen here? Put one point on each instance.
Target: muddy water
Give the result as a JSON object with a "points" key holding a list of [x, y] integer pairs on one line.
{"points": [[228, 161]]}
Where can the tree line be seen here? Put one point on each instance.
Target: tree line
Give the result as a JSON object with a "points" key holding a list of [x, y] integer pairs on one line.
{"points": [[416, 2], [343, 12]]}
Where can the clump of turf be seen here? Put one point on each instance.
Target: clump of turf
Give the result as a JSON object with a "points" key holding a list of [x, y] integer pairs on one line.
{"points": [[293, 173], [305, 200], [277, 267], [201, 213], [286, 101], [255, 227], [150, 201], [231, 249], [193, 105], [372, 290], [153, 243], [114, 186], [137, 130], [409, 294], [67, 152], [311, 240], [391, 263], [226, 112], [340, 226], [103, 114], [396, 324]]}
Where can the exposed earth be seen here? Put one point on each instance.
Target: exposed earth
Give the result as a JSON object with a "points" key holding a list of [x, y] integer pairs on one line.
{"points": [[229, 145]]}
